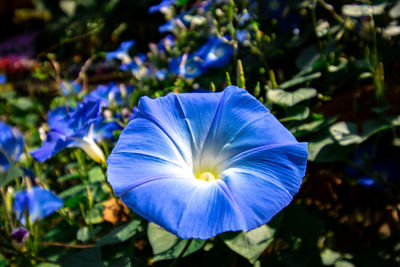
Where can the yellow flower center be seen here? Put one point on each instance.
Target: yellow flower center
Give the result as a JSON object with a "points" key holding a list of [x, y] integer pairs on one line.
{"points": [[206, 176]]}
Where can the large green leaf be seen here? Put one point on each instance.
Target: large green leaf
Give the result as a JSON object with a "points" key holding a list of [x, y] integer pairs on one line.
{"points": [[10, 175], [168, 246], [250, 244], [323, 148], [289, 99], [119, 234], [346, 132]]}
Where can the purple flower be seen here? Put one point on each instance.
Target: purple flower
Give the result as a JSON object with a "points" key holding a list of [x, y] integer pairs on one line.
{"points": [[19, 237]]}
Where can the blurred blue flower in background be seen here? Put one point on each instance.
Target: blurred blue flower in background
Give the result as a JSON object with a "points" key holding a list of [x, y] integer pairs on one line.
{"points": [[186, 65], [166, 42], [11, 146], [199, 164], [122, 53], [79, 127], [39, 202], [160, 6], [111, 93], [70, 88], [215, 53], [3, 78], [136, 65]]}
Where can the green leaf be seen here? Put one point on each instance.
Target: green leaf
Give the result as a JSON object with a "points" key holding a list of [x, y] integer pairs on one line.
{"points": [[307, 58], [329, 257], [342, 64], [181, 2], [22, 103], [10, 175], [323, 148], [83, 234], [299, 80], [312, 126], [68, 177], [95, 215], [72, 191], [250, 244], [121, 262], [395, 10], [119, 234], [87, 257], [346, 132], [289, 99], [296, 113], [96, 175], [168, 246], [68, 6], [363, 10]]}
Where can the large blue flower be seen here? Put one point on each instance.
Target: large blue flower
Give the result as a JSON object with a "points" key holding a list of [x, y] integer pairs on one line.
{"points": [[11, 146], [39, 202], [79, 127], [200, 164]]}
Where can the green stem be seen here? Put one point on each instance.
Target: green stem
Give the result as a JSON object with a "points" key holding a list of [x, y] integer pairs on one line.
{"points": [[314, 21]]}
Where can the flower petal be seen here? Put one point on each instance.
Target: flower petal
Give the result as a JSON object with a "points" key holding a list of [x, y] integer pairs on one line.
{"points": [[39, 202], [157, 156]]}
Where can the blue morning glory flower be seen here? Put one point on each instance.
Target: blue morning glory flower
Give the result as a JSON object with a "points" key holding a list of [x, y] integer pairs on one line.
{"points": [[70, 88], [199, 164], [39, 202], [135, 65], [122, 53], [215, 53], [163, 4], [3, 78], [186, 65], [79, 127], [11, 146], [110, 93], [242, 35], [167, 41], [168, 26]]}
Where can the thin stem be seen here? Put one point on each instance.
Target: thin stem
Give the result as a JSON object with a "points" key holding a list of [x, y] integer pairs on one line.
{"points": [[7, 210], [59, 244], [332, 11], [314, 21]]}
